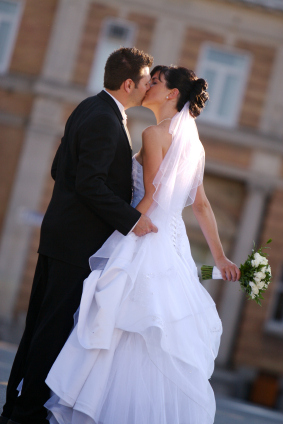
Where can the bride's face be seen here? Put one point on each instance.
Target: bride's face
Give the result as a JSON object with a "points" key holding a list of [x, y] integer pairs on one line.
{"points": [[157, 93]]}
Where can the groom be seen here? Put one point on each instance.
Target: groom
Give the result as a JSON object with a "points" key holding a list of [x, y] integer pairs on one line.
{"points": [[91, 199]]}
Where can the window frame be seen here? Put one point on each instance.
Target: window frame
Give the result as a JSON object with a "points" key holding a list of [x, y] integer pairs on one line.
{"points": [[132, 26], [202, 66], [9, 49]]}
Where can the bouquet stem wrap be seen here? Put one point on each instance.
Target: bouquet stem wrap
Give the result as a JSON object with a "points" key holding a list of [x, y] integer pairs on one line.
{"points": [[210, 273]]}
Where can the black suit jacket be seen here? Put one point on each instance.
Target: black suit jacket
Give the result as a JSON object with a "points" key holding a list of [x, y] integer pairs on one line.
{"points": [[93, 183]]}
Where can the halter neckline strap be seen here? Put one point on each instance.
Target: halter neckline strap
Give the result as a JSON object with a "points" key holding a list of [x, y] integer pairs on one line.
{"points": [[166, 119]]}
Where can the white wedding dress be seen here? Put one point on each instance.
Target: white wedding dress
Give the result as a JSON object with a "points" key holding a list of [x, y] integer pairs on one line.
{"points": [[147, 333]]}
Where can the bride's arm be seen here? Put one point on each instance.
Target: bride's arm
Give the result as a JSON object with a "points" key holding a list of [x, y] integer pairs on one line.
{"points": [[152, 156], [206, 219]]}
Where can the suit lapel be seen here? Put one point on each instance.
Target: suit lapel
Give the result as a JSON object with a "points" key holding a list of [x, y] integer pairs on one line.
{"points": [[104, 96]]}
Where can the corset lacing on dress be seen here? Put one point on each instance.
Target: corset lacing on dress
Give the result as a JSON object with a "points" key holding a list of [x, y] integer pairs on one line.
{"points": [[176, 225]]}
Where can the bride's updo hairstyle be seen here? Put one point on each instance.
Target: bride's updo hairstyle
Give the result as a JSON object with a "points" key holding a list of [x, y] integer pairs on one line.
{"points": [[191, 88]]}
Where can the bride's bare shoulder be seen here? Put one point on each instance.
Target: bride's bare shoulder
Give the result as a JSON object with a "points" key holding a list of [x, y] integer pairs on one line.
{"points": [[155, 133], [155, 141]]}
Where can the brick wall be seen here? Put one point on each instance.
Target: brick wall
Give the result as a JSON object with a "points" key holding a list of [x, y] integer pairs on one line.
{"points": [[227, 154], [146, 26], [193, 40], [16, 103], [260, 74], [33, 36]]}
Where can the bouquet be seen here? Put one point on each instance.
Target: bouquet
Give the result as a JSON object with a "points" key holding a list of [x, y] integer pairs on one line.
{"points": [[255, 274]]}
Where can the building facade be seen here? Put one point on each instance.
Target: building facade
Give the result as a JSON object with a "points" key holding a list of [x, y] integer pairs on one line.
{"points": [[52, 54]]}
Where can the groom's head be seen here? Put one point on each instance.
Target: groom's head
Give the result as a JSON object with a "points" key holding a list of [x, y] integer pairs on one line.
{"points": [[127, 75]]}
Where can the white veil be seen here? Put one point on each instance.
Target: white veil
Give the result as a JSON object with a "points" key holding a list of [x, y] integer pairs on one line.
{"points": [[181, 171]]}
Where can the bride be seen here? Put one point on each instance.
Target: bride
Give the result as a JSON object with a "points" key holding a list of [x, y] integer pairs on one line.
{"points": [[147, 332]]}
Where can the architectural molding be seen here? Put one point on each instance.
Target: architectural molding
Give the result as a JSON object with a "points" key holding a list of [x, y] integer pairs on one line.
{"points": [[241, 137], [257, 26], [17, 82], [12, 120], [252, 178], [267, 4], [70, 93]]}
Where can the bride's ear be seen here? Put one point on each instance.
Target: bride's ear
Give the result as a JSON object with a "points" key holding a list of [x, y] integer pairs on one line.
{"points": [[173, 94]]}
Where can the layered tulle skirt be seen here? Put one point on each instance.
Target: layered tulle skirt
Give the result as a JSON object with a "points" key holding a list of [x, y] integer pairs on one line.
{"points": [[144, 346]]}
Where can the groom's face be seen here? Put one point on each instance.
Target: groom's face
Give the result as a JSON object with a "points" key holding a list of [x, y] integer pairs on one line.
{"points": [[139, 92]]}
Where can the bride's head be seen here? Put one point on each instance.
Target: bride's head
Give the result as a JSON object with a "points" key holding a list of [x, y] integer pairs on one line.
{"points": [[172, 87]]}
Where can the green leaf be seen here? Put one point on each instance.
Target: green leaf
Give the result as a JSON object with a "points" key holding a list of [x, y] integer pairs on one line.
{"points": [[269, 241]]}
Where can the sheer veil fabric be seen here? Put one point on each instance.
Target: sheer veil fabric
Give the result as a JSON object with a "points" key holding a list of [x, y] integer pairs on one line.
{"points": [[147, 333]]}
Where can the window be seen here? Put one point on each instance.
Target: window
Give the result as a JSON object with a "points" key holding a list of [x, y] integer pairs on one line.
{"points": [[275, 322], [115, 33], [10, 12], [226, 73]]}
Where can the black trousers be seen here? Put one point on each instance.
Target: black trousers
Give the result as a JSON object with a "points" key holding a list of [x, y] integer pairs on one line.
{"points": [[55, 297]]}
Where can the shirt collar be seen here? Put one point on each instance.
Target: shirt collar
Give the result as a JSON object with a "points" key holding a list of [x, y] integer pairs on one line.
{"points": [[119, 104]]}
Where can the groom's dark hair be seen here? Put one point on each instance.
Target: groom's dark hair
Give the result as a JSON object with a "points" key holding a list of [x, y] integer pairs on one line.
{"points": [[125, 63]]}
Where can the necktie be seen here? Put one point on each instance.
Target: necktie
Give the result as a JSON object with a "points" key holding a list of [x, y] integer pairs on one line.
{"points": [[126, 129]]}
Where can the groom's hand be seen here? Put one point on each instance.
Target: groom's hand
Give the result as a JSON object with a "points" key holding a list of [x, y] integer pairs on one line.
{"points": [[144, 226]]}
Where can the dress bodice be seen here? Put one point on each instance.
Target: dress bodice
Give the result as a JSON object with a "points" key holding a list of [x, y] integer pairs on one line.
{"points": [[138, 187], [173, 222]]}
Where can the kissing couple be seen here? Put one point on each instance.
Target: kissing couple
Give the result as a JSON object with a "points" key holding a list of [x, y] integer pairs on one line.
{"points": [[119, 328]]}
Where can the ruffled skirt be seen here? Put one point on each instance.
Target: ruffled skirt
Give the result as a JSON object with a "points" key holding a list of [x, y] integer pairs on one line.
{"points": [[144, 345]]}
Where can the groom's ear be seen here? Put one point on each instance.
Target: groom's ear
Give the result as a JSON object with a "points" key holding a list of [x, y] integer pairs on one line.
{"points": [[128, 85]]}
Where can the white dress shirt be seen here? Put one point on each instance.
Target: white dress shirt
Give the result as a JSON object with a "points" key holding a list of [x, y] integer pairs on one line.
{"points": [[119, 104], [124, 116]]}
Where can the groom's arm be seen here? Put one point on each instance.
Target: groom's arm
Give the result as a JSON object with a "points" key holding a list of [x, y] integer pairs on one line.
{"points": [[97, 148]]}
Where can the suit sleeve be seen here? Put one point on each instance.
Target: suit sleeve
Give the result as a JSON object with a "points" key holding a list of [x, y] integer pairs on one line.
{"points": [[55, 164], [97, 147]]}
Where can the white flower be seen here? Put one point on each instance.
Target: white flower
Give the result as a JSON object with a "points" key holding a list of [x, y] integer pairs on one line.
{"points": [[259, 275], [255, 263], [252, 295], [259, 260], [255, 290], [269, 269], [261, 284]]}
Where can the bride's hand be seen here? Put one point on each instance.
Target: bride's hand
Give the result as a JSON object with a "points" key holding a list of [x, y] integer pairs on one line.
{"points": [[228, 269]]}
